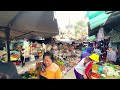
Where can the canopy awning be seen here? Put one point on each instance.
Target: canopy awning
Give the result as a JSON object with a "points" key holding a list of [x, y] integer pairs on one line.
{"points": [[97, 18], [92, 38], [113, 22], [22, 23]]}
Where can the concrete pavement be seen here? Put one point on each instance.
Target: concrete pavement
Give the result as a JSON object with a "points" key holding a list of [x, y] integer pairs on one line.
{"points": [[69, 75], [28, 65]]}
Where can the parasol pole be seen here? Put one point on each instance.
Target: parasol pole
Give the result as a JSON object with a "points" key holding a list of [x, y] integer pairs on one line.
{"points": [[7, 33]]}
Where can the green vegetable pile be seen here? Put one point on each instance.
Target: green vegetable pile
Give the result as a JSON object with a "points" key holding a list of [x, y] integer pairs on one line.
{"points": [[111, 65], [28, 75], [60, 62]]}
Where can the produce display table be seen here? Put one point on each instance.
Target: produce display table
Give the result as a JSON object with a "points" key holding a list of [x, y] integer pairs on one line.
{"points": [[13, 58], [31, 74], [66, 61], [105, 71]]}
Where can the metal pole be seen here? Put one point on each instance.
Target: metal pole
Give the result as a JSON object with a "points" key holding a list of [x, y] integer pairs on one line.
{"points": [[7, 32]]}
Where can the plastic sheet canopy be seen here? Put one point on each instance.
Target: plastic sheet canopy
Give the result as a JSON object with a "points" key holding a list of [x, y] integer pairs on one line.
{"points": [[97, 18]]}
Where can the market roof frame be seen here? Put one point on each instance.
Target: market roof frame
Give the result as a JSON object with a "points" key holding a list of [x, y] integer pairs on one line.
{"points": [[38, 22], [41, 23]]}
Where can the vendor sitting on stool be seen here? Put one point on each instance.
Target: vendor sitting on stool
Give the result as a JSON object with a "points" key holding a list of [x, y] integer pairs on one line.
{"points": [[83, 68]]}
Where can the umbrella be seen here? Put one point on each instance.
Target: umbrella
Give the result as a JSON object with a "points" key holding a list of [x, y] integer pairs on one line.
{"points": [[22, 24]]}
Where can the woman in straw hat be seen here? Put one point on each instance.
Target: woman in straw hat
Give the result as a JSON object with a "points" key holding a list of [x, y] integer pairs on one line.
{"points": [[83, 68]]}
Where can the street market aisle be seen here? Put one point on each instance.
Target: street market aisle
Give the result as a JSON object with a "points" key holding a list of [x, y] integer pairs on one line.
{"points": [[28, 65], [31, 64], [70, 74]]}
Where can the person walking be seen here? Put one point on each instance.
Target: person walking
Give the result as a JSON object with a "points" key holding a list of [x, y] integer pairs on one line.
{"points": [[22, 57]]}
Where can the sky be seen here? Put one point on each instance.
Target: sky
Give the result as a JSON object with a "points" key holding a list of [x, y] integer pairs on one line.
{"points": [[63, 17]]}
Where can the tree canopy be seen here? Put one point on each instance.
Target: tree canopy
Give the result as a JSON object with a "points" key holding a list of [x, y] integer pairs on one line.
{"points": [[81, 29]]}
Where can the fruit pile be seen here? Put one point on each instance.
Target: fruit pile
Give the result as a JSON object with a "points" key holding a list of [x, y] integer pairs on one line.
{"points": [[14, 57], [111, 65], [60, 63], [25, 75], [4, 60], [40, 54], [95, 75], [31, 74], [95, 67], [105, 71]]}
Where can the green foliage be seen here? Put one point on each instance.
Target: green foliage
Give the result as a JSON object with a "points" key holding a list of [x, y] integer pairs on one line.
{"points": [[80, 28]]}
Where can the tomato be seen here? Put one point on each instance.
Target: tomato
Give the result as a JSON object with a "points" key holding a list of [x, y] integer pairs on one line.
{"points": [[95, 75]]}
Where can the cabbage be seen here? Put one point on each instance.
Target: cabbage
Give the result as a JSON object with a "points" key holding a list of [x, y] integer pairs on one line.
{"points": [[103, 75], [111, 70]]}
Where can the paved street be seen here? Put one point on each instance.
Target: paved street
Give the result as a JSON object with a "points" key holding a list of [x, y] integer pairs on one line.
{"points": [[70, 74], [27, 66]]}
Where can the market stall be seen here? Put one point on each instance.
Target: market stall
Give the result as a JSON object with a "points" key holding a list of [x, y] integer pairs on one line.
{"points": [[67, 60], [105, 71], [36, 50], [14, 57], [30, 74], [24, 24]]}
